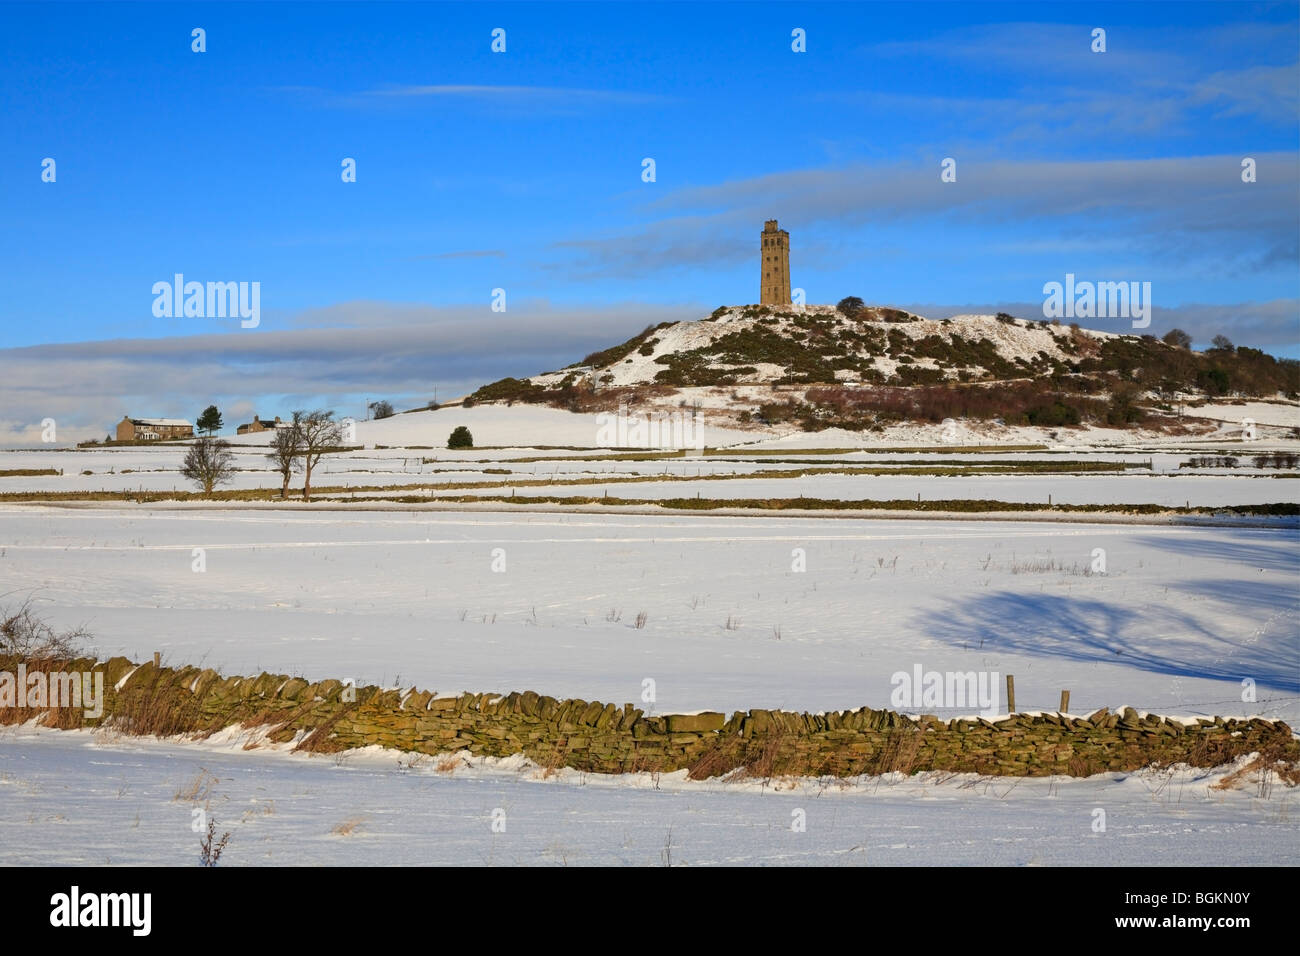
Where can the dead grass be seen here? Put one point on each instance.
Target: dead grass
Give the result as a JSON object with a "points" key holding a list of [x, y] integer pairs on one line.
{"points": [[197, 790], [348, 826], [1049, 565], [1264, 772], [900, 754], [157, 708], [763, 764]]}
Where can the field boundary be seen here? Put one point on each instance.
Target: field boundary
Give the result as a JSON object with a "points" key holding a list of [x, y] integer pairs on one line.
{"points": [[540, 506], [331, 716]]}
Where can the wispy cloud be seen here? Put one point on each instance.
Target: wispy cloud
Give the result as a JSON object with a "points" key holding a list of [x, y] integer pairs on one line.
{"points": [[1274, 325], [1269, 92], [1179, 210], [1147, 82], [465, 254], [331, 356], [400, 352], [549, 98], [529, 94]]}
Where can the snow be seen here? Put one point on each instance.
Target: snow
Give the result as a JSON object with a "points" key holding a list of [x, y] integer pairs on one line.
{"points": [[402, 598], [493, 426], [1280, 414], [1180, 617], [1170, 490], [1020, 340], [123, 802]]}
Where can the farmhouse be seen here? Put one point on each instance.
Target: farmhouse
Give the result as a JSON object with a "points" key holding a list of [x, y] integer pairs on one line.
{"points": [[260, 425], [153, 429]]}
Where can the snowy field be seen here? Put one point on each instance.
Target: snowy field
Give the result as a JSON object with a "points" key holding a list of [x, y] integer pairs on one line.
{"points": [[398, 470], [1178, 619], [770, 611], [75, 797], [1167, 490]]}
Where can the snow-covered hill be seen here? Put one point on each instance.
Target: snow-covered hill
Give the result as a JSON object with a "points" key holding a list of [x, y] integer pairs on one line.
{"points": [[815, 343]]}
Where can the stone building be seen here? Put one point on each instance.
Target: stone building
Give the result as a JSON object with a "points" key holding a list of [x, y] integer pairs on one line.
{"points": [[153, 429], [775, 287], [259, 425]]}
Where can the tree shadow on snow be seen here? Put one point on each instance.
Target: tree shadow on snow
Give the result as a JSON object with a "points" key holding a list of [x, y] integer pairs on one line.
{"points": [[1158, 638], [1274, 551]]}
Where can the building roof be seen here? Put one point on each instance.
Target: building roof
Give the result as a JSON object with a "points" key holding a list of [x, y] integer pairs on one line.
{"points": [[162, 422]]}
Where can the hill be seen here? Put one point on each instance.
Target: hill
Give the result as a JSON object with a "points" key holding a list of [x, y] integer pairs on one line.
{"points": [[822, 367]]}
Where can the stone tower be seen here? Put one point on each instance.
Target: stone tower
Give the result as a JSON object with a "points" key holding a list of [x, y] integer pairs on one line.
{"points": [[775, 288]]}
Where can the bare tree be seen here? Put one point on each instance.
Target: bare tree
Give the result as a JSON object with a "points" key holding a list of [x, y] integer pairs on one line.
{"points": [[209, 462], [320, 434], [24, 635], [286, 449]]}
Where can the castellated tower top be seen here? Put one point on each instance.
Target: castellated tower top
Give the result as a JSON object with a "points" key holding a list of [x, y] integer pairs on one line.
{"points": [[774, 283]]}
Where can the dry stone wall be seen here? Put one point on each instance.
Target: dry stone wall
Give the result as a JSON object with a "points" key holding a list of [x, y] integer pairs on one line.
{"points": [[328, 716]]}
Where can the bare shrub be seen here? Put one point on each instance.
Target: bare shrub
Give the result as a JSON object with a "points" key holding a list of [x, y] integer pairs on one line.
{"points": [[23, 634], [210, 848]]}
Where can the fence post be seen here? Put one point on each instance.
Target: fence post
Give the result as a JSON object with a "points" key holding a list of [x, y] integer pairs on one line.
{"points": [[1065, 702], [157, 659], [1011, 694]]}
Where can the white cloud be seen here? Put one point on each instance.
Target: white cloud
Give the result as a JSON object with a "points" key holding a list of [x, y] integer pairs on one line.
{"points": [[333, 355]]}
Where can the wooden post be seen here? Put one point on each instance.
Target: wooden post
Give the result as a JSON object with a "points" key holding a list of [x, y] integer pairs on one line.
{"points": [[1065, 702], [157, 659], [1011, 694]]}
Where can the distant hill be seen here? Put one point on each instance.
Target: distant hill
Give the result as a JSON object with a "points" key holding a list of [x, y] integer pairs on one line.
{"points": [[878, 360]]}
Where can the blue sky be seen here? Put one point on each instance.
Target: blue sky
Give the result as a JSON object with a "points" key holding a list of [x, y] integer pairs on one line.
{"points": [[522, 170]]}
